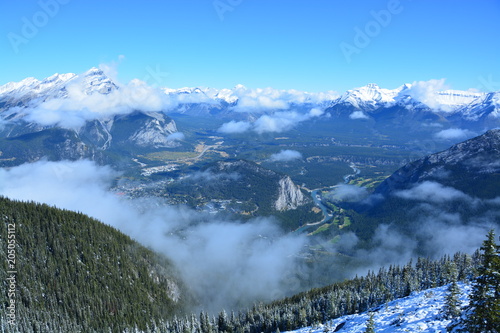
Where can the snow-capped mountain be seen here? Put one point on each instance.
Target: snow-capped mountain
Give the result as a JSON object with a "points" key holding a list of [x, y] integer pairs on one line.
{"points": [[30, 89], [209, 101], [72, 101], [420, 312], [69, 116], [33, 86], [371, 97]]}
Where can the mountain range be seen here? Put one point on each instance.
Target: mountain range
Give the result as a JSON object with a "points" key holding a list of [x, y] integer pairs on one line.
{"points": [[468, 105], [69, 116]]}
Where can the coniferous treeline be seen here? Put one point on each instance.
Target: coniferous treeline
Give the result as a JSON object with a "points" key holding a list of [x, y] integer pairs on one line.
{"points": [[75, 274]]}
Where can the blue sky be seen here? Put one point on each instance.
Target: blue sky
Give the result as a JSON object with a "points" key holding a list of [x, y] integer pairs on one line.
{"points": [[313, 45]]}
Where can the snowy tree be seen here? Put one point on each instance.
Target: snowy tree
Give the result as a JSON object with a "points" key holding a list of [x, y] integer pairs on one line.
{"points": [[483, 312], [452, 305], [370, 324]]}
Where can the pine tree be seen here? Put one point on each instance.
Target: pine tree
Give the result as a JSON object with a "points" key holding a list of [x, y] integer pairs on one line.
{"points": [[452, 305], [370, 324], [484, 308]]}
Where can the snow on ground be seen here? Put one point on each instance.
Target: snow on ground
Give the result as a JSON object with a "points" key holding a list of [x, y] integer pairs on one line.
{"points": [[420, 312]]}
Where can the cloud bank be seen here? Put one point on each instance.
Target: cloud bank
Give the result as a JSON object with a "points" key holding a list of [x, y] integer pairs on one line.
{"points": [[264, 99], [454, 134], [239, 263], [80, 106], [276, 122], [177, 136], [432, 192], [425, 92], [345, 192], [286, 155], [358, 115]]}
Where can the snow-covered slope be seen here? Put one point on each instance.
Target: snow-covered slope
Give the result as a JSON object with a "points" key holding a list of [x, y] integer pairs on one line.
{"points": [[454, 99], [420, 312]]}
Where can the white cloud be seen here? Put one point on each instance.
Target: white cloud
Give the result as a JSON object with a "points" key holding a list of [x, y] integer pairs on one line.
{"points": [[315, 112], [276, 122], [432, 192], [358, 115], [454, 134], [425, 91], [177, 136], [79, 107], [235, 127], [344, 192], [285, 156], [264, 99]]}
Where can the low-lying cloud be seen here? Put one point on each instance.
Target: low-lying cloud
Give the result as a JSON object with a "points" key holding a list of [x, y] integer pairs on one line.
{"points": [[79, 106], [454, 134], [276, 122], [345, 192], [233, 127], [286, 155], [432, 192], [226, 263], [177, 136], [265, 99], [358, 115]]}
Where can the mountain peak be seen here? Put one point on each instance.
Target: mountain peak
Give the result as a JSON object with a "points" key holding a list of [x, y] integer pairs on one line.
{"points": [[372, 86], [368, 96], [94, 71]]}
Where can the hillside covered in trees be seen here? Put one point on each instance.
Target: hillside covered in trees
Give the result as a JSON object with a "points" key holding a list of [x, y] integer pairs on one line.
{"points": [[75, 274]]}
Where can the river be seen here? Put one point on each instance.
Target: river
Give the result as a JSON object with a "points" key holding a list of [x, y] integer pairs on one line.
{"points": [[317, 200]]}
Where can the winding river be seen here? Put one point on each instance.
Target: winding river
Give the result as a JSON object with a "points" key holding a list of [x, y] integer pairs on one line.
{"points": [[317, 200]]}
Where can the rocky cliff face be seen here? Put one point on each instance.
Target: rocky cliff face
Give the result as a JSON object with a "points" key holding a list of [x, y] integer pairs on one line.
{"points": [[155, 132], [289, 195], [268, 189]]}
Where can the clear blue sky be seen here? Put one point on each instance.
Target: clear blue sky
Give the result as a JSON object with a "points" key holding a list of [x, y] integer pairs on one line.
{"points": [[259, 43]]}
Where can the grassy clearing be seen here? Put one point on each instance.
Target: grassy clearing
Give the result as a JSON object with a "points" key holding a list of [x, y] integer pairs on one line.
{"points": [[369, 183], [322, 228]]}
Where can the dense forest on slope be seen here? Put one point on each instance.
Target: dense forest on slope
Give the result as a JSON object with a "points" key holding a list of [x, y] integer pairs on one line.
{"points": [[75, 274]]}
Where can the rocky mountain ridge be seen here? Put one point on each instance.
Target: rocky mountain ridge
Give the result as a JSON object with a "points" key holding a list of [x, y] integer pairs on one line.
{"points": [[471, 166], [369, 97]]}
